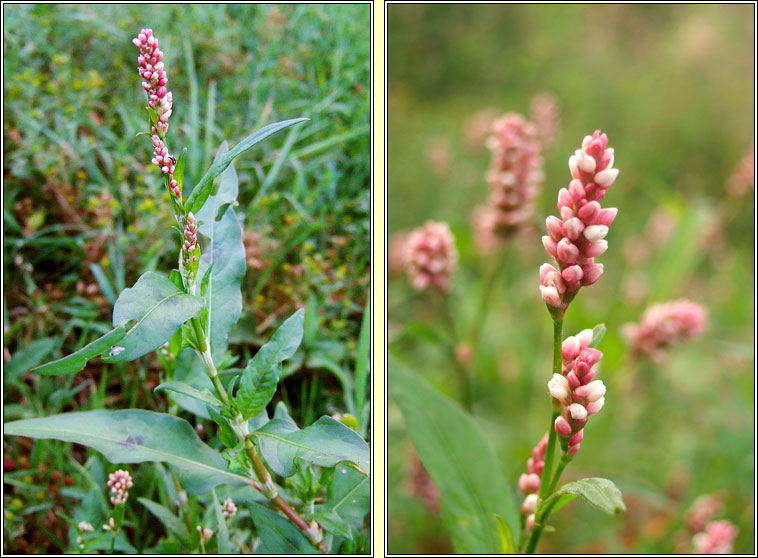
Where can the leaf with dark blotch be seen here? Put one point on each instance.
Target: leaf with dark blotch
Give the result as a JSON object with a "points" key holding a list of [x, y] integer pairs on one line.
{"points": [[135, 436]]}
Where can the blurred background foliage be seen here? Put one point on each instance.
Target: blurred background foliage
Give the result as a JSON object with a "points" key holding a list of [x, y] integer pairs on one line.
{"points": [[85, 212], [673, 87]]}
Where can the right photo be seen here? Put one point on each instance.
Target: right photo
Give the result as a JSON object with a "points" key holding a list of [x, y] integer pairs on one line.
{"points": [[570, 263]]}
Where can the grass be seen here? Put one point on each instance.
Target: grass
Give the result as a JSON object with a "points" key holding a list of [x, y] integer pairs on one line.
{"points": [[672, 87], [85, 212]]}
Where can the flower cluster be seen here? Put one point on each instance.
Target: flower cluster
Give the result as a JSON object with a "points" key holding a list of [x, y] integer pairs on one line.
{"points": [[529, 482], [228, 508], [577, 390], [166, 162], [702, 510], [717, 538], [577, 237], [664, 325], [119, 483], [151, 70], [515, 173], [430, 256], [85, 527], [190, 243]]}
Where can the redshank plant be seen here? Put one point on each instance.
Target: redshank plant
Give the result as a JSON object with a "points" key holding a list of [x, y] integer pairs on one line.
{"points": [[187, 315]]}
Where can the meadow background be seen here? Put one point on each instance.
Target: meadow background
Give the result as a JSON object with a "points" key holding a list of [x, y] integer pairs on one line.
{"points": [[673, 87], [85, 213]]}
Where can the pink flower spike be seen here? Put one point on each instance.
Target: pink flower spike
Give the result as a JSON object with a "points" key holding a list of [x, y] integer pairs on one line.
{"points": [[717, 538], [430, 257]]}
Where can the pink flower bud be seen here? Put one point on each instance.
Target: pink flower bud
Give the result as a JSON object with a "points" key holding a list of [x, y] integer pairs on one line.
{"points": [[529, 522], [576, 190], [559, 387], [606, 177], [594, 407], [576, 438], [550, 296], [562, 426], [564, 198], [572, 274], [573, 380], [550, 245], [573, 450], [595, 249], [570, 348], [592, 273], [589, 212], [595, 390], [553, 225], [567, 251], [544, 270], [593, 233], [573, 228], [585, 338], [577, 411], [530, 504], [585, 162], [606, 216]]}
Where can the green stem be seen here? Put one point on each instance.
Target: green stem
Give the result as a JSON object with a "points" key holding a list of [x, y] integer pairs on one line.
{"points": [[565, 459], [269, 489], [484, 303], [463, 374], [545, 483]]}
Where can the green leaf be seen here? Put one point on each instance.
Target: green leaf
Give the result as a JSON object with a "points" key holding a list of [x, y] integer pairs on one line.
{"points": [[176, 278], [598, 332], [76, 361], [159, 307], [225, 431], [27, 358], [601, 493], [180, 387], [135, 436], [349, 496], [459, 460], [278, 535], [259, 379], [223, 532], [222, 264], [326, 443], [189, 370], [259, 389], [172, 523], [203, 188], [506, 538]]}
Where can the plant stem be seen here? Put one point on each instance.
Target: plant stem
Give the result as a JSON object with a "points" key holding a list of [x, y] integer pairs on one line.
{"points": [[463, 375], [265, 479], [561, 466], [269, 488], [481, 315], [545, 483]]}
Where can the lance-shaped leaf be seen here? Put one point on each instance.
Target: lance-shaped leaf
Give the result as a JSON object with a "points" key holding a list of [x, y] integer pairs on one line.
{"points": [[277, 534], [201, 395], [134, 436], [203, 188], [326, 443], [172, 523], [259, 379], [459, 460], [222, 264], [159, 307], [76, 361]]}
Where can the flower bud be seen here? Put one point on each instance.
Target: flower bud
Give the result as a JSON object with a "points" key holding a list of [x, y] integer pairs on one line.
{"points": [[562, 426], [559, 387], [577, 411], [530, 504]]}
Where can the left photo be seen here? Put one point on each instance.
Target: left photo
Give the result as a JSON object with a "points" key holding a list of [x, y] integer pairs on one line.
{"points": [[186, 279]]}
